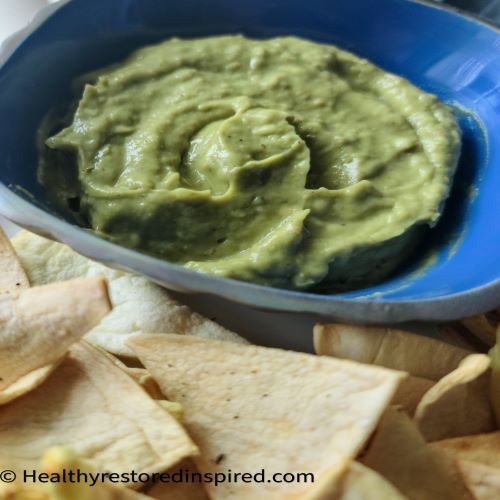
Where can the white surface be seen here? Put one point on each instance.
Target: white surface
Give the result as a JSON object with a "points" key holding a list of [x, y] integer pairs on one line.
{"points": [[14, 14], [266, 328]]}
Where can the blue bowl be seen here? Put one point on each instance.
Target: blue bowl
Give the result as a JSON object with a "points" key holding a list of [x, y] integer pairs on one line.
{"points": [[457, 271]]}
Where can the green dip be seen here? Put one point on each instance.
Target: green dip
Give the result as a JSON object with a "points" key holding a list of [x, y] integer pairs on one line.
{"points": [[282, 162]]}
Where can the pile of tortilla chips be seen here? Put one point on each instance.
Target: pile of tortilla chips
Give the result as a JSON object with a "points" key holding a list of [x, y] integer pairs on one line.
{"points": [[107, 372]]}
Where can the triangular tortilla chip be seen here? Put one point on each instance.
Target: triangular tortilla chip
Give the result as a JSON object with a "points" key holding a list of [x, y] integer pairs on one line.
{"points": [[12, 275], [362, 483], [418, 355], [482, 480], [251, 408], [139, 305], [410, 392], [459, 404], [482, 448], [400, 454], [38, 325], [89, 405]]}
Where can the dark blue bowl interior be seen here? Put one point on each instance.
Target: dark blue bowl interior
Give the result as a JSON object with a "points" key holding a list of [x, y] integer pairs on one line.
{"points": [[441, 52]]}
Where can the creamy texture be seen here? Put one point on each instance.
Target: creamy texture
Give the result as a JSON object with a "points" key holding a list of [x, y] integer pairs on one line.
{"points": [[282, 162]]}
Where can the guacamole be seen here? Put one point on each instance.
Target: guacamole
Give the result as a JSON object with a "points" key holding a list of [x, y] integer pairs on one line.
{"points": [[282, 162]]}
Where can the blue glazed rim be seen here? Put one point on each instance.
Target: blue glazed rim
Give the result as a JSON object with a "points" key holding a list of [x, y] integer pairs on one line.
{"points": [[361, 308], [460, 12]]}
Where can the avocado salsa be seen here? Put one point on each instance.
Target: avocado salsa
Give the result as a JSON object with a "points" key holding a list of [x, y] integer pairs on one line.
{"points": [[282, 162]]}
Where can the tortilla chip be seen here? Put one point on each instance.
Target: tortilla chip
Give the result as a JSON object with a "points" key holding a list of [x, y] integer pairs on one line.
{"points": [[177, 489], [12, 275], [139, 305], [91, 406], [482, 480], [459, 404], [482, 448], [251, 408], [410, 392], [362, 483], [400, 454], [483, 326], [38, 325], [418, 355]]}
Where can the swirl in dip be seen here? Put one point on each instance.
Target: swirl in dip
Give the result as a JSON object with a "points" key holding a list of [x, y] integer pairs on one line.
{"points": [[282, 162]]}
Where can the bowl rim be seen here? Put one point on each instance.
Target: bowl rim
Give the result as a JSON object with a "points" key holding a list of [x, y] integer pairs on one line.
{"points": [[457, 11], [367, 308], [374, 310]]}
